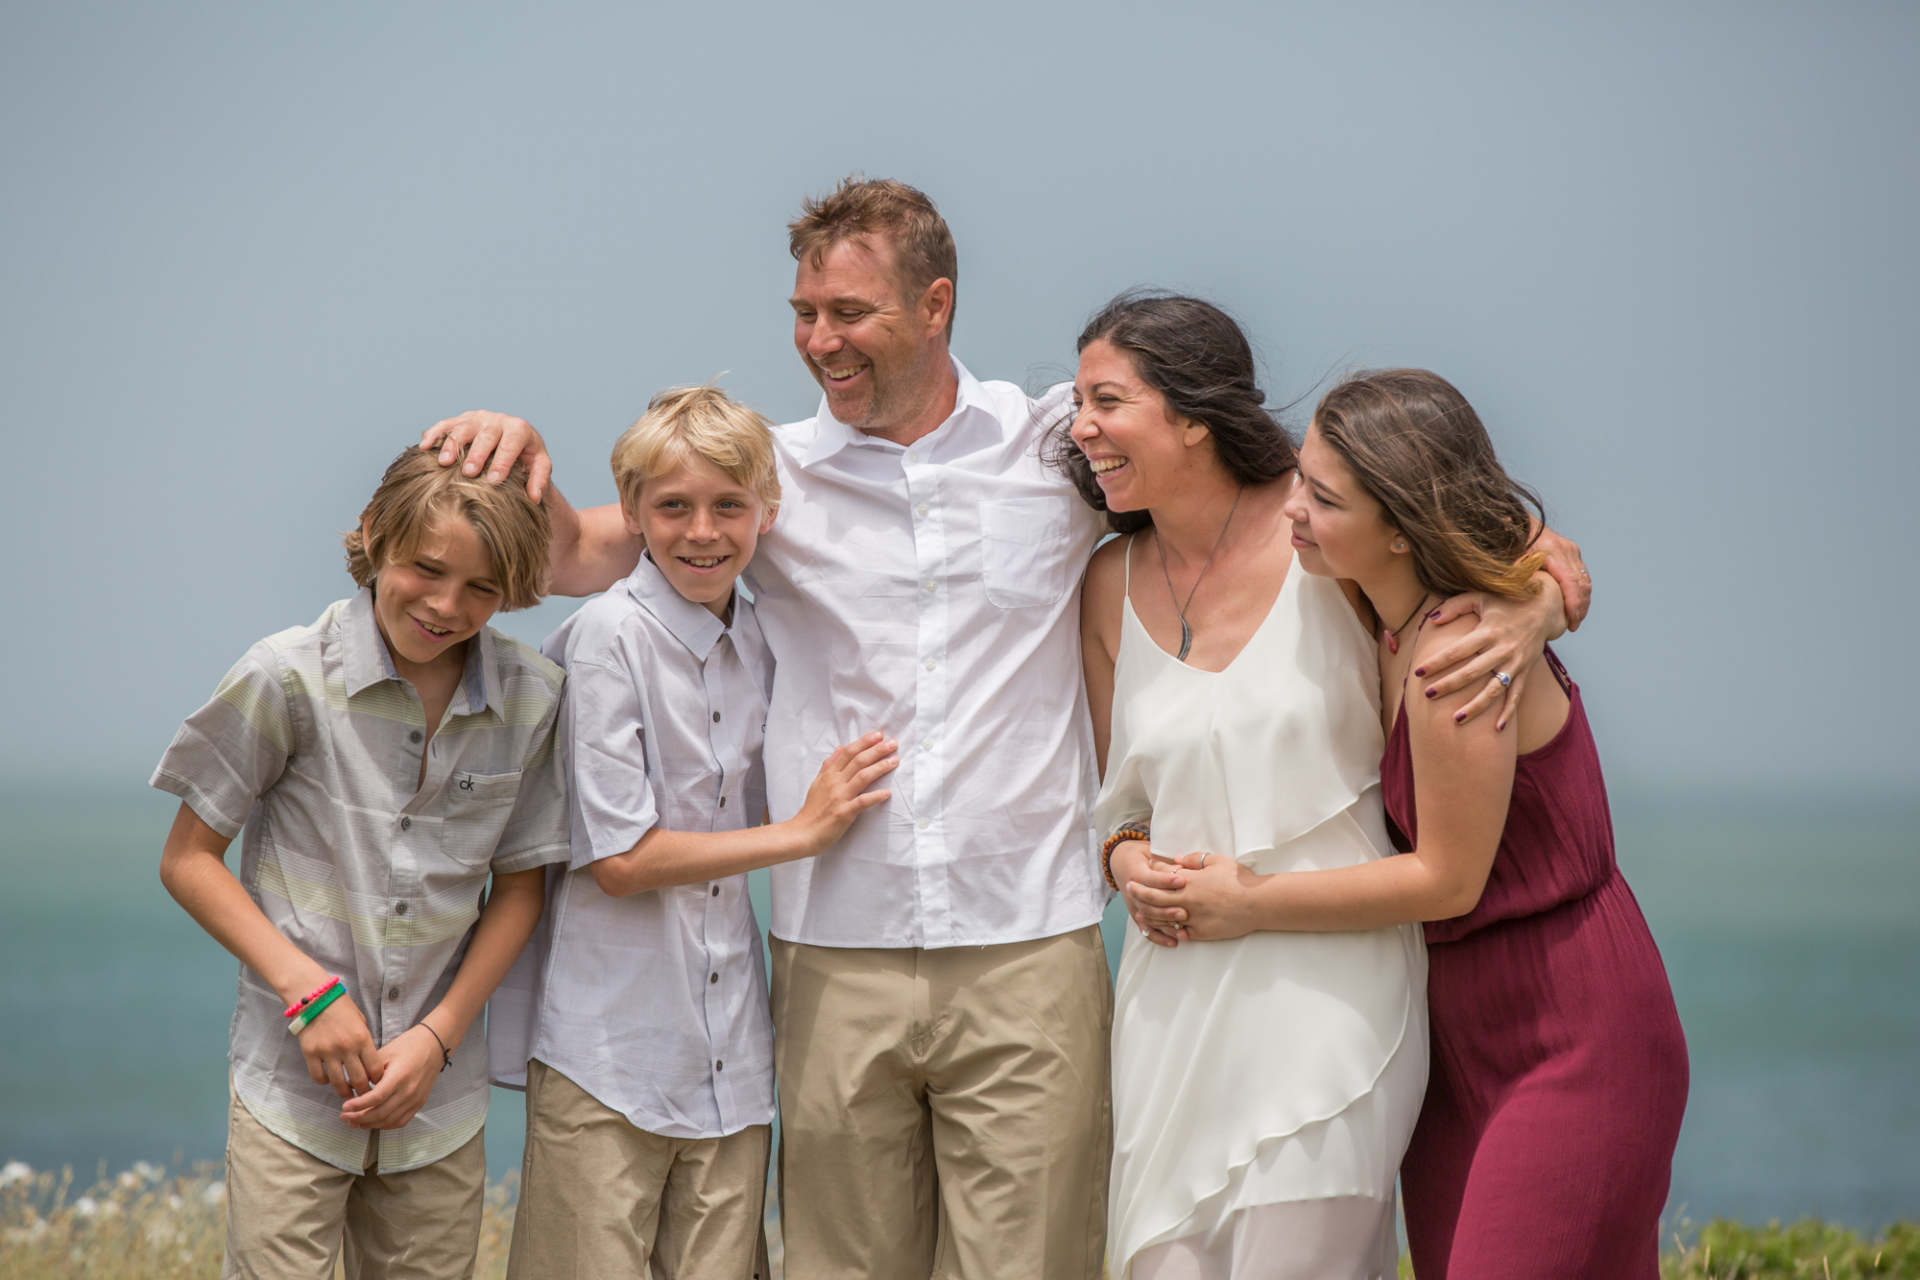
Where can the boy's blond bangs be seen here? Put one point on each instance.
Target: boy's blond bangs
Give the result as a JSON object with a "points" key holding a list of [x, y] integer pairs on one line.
{"points": [[416, 491], [703, 422]]}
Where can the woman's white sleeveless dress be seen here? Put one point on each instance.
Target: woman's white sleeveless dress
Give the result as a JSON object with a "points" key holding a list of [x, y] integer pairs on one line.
{"points": [[1264, 1088]]}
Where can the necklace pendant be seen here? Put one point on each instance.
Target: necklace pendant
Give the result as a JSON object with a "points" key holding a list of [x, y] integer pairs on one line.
{"points": [[1186, 640], [1393, 641]]}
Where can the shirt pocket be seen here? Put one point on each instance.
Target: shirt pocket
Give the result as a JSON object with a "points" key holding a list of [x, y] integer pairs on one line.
{"points": [[1022, 541], [478, 806]]}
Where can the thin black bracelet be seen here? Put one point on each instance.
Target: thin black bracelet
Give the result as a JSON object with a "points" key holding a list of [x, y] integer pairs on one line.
{"points": [[446, 1056]]}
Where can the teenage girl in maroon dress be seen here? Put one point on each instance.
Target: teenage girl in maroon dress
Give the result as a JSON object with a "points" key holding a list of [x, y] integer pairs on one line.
{"points": [[1559, 1071]]}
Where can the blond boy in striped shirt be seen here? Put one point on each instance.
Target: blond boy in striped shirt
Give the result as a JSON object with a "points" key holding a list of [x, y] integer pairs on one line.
{"points": [[385, 762]]}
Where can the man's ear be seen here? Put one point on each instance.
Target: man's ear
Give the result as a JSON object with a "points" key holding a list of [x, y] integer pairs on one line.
{"points": [[633, 527], [936, 305], [766, 519]]}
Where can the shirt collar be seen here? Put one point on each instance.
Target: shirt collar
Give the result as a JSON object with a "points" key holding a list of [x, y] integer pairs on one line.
{"points": [[367, 662], [830, 435], [693, 625]]}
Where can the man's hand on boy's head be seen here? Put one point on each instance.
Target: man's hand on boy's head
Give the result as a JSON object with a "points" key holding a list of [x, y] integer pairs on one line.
{"points": [[409, 1065], [340, 1051], [500, 436]]}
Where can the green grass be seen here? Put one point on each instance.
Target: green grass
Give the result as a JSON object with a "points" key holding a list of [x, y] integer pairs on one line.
{"points": [[148, 1224]]}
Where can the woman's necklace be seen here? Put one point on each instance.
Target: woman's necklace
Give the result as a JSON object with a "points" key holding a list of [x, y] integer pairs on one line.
{"points": [[1186, 632], [1393, 637]]}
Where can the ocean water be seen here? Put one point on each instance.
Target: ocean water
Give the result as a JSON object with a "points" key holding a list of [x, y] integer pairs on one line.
{"points": [[1791, 932]]}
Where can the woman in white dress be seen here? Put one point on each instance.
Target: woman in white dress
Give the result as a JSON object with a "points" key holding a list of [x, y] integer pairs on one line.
{"points": [[1264, 1087]]}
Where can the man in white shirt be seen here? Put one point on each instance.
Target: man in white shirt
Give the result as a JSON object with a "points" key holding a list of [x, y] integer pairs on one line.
{"points": [[941, 996]]}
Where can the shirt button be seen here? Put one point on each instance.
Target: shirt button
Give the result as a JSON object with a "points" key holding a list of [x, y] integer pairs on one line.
{"points": [[723, 802], [406, 824], [930, 664], [923, 508], [393, 993], [399, 908], [716, 717], [925, 823], [931, 584], [716, 891], [713, 977], [719, 1065], [414, 736], [926, 744]]}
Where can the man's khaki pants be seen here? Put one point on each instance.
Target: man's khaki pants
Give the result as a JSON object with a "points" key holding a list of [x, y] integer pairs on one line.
{"points": [[600, 1197], [287, 1211], [944, 1113]]}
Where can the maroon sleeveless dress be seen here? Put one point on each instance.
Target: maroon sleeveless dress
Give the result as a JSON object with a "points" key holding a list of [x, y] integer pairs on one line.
{"points": [[1559, 1070]]}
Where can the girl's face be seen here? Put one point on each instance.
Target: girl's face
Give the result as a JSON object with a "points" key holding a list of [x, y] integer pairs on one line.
{"points": [[1136, 445], [431, 605], [1339, 531]]}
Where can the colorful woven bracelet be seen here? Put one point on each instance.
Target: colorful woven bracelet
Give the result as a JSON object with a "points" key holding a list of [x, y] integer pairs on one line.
{"points": [[1132, 831], [314, 1010], [293, 1011]]}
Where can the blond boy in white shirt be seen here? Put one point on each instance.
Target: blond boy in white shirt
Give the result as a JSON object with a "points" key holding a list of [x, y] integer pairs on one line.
{"points": [[640, 1014]]}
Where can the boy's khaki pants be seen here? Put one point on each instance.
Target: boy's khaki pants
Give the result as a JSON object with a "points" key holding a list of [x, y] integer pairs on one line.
{"points": [[946, 1112], [600, 1197], [287, 1211]]}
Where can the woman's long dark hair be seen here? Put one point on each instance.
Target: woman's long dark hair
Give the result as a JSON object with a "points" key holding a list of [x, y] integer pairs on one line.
{"points": [[1193, 353]]}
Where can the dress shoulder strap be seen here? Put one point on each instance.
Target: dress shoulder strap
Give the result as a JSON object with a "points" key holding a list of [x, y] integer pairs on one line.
{"points": [[1126, 572]]}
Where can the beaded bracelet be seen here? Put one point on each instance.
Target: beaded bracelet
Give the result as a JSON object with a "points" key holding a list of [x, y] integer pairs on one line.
{"points": [[314, 1010], [1132, 831], [293, 1011]]}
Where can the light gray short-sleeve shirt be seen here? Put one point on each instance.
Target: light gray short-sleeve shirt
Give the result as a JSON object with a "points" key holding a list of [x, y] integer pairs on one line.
{"points": [[655, 1003], [314, 743]]}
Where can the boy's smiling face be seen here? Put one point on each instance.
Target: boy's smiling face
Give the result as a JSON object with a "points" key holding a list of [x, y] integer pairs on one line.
{"points": [[700, 526], [428, 607]]}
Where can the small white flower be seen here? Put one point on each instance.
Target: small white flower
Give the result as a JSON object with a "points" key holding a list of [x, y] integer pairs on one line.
{"points": [[15, 1171], [149, 1172], [86, 1206], [216, 1192]]}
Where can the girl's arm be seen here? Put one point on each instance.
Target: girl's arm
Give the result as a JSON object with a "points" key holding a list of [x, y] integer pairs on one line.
{"points": [[337, 1045], [1463, 783], [411, 1062], [838, 795]]}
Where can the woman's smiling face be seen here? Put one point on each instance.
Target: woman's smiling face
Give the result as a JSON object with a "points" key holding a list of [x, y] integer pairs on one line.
{"points": [[1130, 437]]}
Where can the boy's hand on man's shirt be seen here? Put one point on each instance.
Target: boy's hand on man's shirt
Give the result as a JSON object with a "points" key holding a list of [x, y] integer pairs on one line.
{"points": [[839, 792], [409, 1065], [340, 1051]]}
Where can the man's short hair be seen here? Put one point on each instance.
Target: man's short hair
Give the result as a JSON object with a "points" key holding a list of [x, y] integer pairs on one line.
{"points": [[865, 209], [703, 422], [417, 491]]}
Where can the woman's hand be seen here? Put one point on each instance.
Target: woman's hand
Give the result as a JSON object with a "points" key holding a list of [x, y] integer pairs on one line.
{"points": [[839, 792], [1133, 866], [408, 1068], [1509, 637], [340, 1051], [1211, 898]]}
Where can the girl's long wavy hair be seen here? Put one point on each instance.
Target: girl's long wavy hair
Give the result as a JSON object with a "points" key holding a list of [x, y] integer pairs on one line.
{"points": [[1195, 355], [1418, 448]]}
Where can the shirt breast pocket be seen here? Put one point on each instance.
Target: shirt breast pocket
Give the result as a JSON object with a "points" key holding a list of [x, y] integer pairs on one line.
{"points": [[478, 806], [1022, 546]]}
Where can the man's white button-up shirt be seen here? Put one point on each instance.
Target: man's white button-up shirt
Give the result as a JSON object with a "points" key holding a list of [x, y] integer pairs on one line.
{"points": [[932, 592]]}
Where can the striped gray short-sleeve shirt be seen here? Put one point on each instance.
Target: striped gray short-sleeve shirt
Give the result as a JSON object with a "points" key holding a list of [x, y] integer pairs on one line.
{"points": [[313, 743]]}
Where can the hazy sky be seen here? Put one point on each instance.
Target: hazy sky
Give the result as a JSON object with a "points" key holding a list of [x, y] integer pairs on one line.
{"points": [[247, 252]]}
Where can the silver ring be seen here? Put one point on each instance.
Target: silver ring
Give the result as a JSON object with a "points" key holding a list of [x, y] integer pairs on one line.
{"points": [[1503, 678], [1203, 860], [1585, 574]]}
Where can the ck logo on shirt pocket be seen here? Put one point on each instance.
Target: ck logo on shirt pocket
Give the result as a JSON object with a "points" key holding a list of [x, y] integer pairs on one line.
{"points": [[1023, 549], [478, 806]]}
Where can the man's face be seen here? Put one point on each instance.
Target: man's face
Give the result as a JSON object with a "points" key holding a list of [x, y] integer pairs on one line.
{"points": [[877, 354]]}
